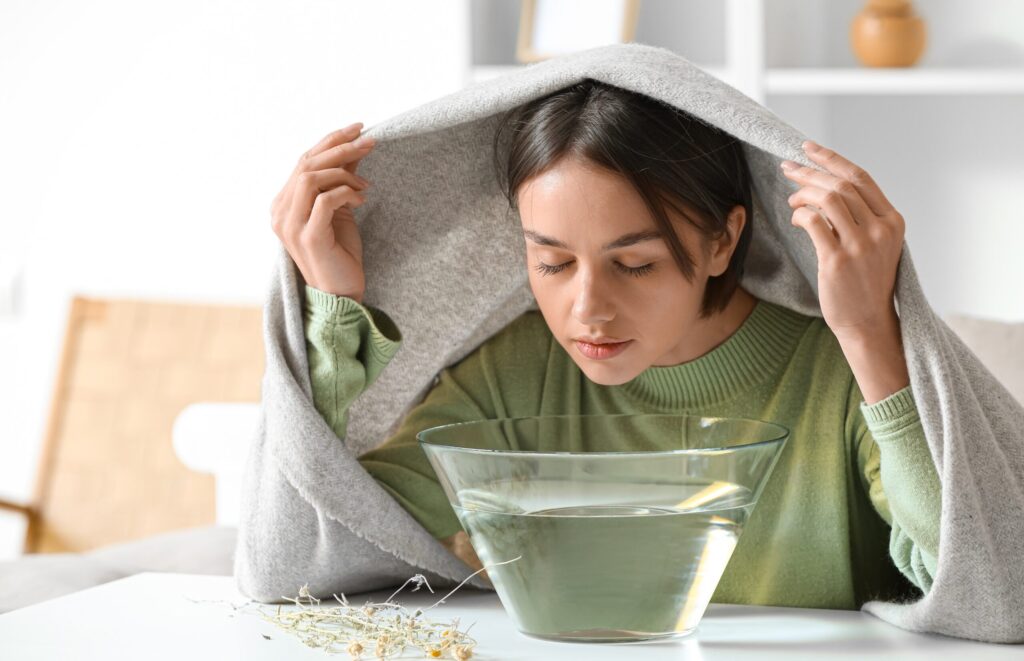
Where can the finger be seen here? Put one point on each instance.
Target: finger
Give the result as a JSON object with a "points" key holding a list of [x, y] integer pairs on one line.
{"points": [[822, 236], [346, 155], [851, 172], [354, 165], [859, 209], [335, 137], [322, 214], [337, 176], [835, 210], [308, 187]]}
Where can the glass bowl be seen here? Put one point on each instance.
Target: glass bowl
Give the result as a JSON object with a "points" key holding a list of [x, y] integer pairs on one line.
{"points": [[604, 528]]}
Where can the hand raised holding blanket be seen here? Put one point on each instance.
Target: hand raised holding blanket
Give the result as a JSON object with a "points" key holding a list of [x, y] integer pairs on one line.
{"points": [[313, 217], [858, 236]]}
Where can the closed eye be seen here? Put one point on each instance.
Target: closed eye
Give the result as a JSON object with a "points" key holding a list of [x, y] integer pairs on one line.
{"points": [[636, 271]]}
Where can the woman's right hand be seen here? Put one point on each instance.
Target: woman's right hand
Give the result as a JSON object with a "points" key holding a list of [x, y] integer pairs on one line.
{"points": [[312, 215]]}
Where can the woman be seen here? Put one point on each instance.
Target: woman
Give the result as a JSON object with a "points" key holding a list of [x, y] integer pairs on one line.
{"points": [[635, 218]]}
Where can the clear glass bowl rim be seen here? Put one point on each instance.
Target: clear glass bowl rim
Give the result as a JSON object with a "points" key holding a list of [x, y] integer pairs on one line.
{"points": [[781, 434]]}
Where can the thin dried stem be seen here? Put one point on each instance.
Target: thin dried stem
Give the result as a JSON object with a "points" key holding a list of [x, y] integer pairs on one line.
{"points": [[441, 601], [382, 630]]}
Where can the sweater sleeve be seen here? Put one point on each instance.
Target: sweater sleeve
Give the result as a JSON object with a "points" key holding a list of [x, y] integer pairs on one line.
{"points": [[348, 344], [899, 476]]}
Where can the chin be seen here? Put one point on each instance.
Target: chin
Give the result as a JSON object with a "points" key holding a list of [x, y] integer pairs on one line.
{"points": [[606, 375]]}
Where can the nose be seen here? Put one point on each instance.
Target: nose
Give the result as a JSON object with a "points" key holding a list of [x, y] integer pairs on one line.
{"points": [[592, 306]]}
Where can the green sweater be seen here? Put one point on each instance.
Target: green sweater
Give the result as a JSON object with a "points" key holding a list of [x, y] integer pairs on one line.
{"points": [[849, 514]]}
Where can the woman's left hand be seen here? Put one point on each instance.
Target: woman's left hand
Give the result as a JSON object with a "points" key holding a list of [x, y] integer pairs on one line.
{"points": [[859, 254]]}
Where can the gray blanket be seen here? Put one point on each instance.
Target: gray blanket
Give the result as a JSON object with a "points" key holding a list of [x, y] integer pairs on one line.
{"points": [[310, 512]]}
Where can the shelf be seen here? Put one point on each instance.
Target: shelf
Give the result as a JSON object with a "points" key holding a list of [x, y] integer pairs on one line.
{"points": [[894, 81]]}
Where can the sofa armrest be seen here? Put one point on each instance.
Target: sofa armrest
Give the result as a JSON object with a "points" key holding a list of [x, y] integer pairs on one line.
{"points": [[999, 345]]}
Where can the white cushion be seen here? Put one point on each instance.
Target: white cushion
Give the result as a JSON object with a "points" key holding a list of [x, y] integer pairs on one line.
{"points": [[999, 345], [40, 576]]}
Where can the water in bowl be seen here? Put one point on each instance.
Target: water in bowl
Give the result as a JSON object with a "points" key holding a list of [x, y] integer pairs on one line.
{"points": [[610, 562]]}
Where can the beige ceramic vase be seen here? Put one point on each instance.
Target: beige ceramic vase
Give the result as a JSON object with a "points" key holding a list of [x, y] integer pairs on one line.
{"points": [[887, 33]]}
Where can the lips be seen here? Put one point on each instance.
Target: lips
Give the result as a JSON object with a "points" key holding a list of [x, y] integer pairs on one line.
{"points": [[603, 350], [601, 340]]}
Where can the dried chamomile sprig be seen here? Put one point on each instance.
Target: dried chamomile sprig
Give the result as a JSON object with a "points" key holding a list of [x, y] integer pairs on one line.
{"points": [[377, 629]]}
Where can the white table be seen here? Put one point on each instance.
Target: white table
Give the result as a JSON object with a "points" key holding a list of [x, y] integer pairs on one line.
{"points": [[153, 616]]}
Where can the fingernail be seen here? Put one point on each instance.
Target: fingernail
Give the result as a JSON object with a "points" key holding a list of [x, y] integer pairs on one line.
{"points": [[351, 127], [811, 146], [363, 141], [788, 165]]}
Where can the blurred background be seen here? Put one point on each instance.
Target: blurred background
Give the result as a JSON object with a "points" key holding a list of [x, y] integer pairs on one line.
{"points": [[141, 145]]}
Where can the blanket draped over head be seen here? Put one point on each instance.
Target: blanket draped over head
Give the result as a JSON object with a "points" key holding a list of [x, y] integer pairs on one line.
{"points": [[444, 260]]}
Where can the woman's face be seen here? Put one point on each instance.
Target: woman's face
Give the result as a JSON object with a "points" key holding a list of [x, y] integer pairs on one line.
{"points": [[615, 278]]}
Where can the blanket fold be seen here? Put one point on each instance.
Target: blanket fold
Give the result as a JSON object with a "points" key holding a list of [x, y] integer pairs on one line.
{"points": [[311, 514]]}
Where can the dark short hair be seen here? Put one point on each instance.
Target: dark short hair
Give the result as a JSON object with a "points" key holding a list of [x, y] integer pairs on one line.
{"points": [[669, 156]]}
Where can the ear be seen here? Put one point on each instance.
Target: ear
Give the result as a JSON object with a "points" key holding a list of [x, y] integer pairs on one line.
{"points": [[722, 248]]}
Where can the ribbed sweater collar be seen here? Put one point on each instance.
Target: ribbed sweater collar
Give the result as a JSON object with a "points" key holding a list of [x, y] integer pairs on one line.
{"points": [[757, 351]]}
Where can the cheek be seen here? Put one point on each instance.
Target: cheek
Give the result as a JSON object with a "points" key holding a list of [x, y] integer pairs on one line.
{"points": [[538, 286], [666, 306], [546, 296], [555, 306]]}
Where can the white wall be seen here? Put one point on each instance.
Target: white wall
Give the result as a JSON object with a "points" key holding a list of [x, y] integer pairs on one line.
{"points": [[141, 144]]}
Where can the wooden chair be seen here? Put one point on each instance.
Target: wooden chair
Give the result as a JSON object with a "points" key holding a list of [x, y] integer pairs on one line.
{"points": [[108, 472]]}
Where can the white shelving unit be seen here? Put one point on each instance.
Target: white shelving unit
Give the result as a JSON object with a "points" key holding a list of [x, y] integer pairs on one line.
{"points": [[745, 69], [942, 138]]}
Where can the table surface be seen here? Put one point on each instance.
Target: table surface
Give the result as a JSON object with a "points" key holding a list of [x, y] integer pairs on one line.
{"points": [[165, 616]]}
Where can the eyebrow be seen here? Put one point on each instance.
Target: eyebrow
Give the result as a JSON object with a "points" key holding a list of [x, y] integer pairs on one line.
{"points": [[630, 239]]}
